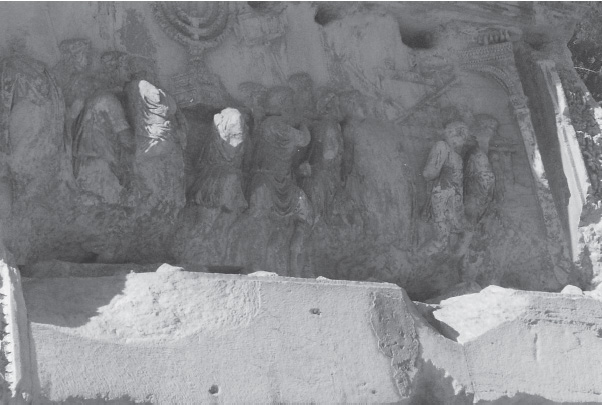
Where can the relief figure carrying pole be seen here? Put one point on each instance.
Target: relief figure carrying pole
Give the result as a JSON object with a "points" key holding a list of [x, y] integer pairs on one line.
{"points": [[273, 188], [444, 174]]}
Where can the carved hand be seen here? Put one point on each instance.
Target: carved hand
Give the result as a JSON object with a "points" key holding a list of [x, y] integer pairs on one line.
{"points": [[304, 170]]}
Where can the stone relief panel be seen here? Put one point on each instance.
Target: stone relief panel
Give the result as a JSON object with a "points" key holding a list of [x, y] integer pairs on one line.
{"points": [[408, 164]]}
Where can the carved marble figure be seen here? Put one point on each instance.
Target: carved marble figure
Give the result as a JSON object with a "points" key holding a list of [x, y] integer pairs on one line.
{"points": [[253, 97], [75, 77], [305, 108], [444, 173], [479, 179], [273, 189], [103, 141], [325, 155], [115, 70], [26, 79], [160, 135], [101, 135], [304, 100], [219, 182], [353, 113]]}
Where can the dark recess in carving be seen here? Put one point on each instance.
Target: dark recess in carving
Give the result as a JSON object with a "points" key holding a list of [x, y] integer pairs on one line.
{"points": [[418, 40], [325, 15]]}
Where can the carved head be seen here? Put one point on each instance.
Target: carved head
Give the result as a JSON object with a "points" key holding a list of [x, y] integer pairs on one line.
{"points": [[253, 94], [471, 143], [456, 134], [352, 104], [486, 128], [115, 63], [140, 68], [303, 86], [328, 103], [487, 122], [231, 126], [279, 101], [76, 52]]}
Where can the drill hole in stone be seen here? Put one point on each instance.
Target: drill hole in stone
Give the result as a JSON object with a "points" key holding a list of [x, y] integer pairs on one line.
{"points": [[214, 390], [315, 311]]}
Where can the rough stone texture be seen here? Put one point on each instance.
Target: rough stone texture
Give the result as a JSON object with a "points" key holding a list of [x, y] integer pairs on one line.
{"points": [[257, 339], [305, 139], [410, 81], [181, 337], [548, 341]]}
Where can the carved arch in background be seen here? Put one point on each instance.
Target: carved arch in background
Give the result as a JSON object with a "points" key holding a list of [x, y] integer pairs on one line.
{"points": [[497, 62]]}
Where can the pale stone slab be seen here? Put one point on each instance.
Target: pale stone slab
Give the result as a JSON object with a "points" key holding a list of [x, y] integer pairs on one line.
{"points": [[521, 344], [170, 337]]}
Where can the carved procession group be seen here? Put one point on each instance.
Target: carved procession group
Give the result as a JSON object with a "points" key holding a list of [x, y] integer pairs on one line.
{"points": [[115, 124], [286, 152], [461, 183]]}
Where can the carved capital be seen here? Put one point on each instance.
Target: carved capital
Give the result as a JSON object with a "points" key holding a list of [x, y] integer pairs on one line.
{"points": [[518, 103]]}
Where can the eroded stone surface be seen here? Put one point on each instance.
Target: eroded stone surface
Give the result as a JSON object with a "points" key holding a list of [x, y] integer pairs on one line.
{"points": [[307, 140], [266, 338], [256, 339], [130, 167], [509, 336]]}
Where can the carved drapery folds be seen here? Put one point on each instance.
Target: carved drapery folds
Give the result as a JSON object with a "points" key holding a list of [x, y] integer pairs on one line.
{"points": [[497, 62]]}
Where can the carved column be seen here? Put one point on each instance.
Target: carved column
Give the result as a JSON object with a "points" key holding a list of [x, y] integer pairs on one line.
{"points": [[497, 62], [571, 158]]}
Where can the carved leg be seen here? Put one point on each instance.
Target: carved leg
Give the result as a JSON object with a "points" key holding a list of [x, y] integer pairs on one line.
{"points": [[296, 258], [463, 243], [304, 220]]}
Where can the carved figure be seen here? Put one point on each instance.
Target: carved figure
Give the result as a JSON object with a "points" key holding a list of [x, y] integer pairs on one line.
{"points": [[305, 110], [303, 88], [253, 97], [273, 189], [325, 155], [102, 137], [27, 79], [103, 141], [479, 178], [219, 183], [160, 134], [153, 112], [353, 113], [96, 128], [116, 70], [444, 174], [74, 76]]}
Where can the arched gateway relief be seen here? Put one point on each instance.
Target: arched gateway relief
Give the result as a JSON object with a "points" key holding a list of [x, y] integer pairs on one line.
{"points": [[497, 62]]}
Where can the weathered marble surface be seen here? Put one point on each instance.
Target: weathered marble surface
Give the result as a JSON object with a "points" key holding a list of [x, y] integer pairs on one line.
{"points": [[522, 347], [261, 339], [304, 139], [139, 174]]}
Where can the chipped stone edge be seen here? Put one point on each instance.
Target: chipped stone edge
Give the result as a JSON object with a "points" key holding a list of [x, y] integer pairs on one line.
{"points": [[16, 341], [395, 330]]}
